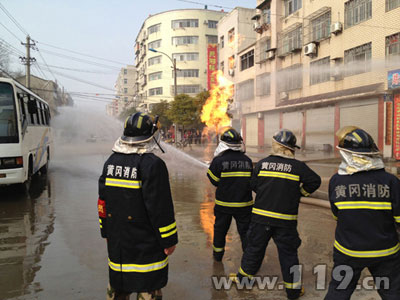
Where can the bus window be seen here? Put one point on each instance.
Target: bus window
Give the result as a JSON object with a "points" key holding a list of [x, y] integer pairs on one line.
{"points": [[46, 114], [8, 114]]}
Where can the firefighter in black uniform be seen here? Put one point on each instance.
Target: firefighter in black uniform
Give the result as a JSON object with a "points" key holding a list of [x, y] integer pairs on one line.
{"points": [[230, 171], [365, 201], [136, 213], [279, 181]]}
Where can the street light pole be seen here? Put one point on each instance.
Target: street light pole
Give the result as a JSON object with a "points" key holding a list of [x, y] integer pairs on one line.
{"points": [[175, 80]]}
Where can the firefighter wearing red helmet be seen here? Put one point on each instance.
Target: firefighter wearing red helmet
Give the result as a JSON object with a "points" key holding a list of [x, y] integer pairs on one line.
{"points": [[136, 212], [279, 181], [230, 171], [365, 201]]}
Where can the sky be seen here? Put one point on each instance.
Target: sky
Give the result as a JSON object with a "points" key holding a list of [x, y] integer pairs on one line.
{"points": [[101, 28]]}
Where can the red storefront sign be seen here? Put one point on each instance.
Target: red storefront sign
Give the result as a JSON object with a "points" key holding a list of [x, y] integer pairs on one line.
{"points": [[396, 127], [212, 65]]}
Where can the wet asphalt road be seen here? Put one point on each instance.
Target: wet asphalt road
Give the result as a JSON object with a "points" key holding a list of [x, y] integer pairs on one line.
{"points": [[50, 245]]}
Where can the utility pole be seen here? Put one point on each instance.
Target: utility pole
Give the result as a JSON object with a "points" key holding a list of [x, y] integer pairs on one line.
{"points": [[175, 85], [28, 60]]}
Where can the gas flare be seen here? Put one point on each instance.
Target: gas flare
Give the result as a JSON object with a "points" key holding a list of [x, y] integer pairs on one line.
{"points": [[214, 113]]}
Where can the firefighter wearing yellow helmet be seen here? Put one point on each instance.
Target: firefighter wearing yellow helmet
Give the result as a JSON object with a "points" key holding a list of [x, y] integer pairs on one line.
{"points": [[365, 201]]}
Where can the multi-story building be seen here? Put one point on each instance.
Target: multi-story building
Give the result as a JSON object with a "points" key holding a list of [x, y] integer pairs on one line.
{"points": [[181, 35], [125, 89], [323, 65], [237, 41]]}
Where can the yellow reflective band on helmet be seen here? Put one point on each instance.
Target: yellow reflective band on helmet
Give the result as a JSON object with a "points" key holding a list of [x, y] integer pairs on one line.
{"points": [[165, 235], [230, 134], [279, 175], [167, 228], [139, 122], [304, 192], [295, 285], [236, 174], [367, 254], [213, 176], [397, 219], [234, 204], [359, 139], [101, 226], [129, 184], [336, 218], [275, 215], [138, 268], [363, 205], [217, 249], [244, 273], [100, 221]]}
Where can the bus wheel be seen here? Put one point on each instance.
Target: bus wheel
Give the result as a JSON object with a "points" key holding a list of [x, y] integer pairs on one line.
{"points": [[43, 170]]}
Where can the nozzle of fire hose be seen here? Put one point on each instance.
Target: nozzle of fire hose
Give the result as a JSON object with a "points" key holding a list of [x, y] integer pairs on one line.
{"points": [[153, 131]]}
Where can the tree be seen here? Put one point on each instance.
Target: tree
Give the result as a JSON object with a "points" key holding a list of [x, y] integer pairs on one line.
{"points": [[127, 113], [183, 110], [199, 100], [4, 61], [161, 109]]}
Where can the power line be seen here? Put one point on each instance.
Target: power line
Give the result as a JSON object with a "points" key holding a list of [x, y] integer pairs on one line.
{"points": [[45, 63], [80, 70], [81, 80], [13, 19], [205, 4], [82, 60], [13, 34], [11, 47], [83, 54]]}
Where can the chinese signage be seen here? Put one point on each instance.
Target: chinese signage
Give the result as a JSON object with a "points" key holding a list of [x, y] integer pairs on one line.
{"points": [[212, 65], [396, 128], [393, 79]]}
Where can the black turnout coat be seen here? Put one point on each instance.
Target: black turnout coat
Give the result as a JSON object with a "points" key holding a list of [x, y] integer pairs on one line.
{"points": [[136, 216]]}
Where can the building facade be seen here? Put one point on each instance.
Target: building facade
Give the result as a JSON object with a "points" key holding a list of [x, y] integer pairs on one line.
{"points": [[322, 65], [125, 91], [180, 35]]}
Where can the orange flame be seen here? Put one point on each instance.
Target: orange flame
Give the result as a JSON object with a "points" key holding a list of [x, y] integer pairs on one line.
{"points": [[214, 112], [236, 40]]}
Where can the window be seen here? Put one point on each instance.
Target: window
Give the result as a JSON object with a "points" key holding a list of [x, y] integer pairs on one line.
{"points": [[186, 56], [212, 24], [222, 67], [357, 11], [321, 27], [263, 84], [125, 81], [265, 45], [125, 71], [185, 23], [247, 60], [231, 35], [212, 39], [155, 76], [291, 41], [154, 28], [188, 89], [155, 60], [290, 78], [357, 60], [155, 91], [393, 46], [392, 4], [125, 90], [154, 45], [185, 40], [320, 70], [187, 73], [221, 41], [245, 90], [291, 6], [126, 99]]}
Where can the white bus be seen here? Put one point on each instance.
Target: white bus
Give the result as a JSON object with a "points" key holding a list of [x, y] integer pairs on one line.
{"points": [[25, 133]]}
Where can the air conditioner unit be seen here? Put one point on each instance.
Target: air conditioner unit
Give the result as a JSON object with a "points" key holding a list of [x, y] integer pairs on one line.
{"points": [[336, 27], [231, 72], [256, 26], [205, 22], [283, 95], [270, 54], [310, 49]]}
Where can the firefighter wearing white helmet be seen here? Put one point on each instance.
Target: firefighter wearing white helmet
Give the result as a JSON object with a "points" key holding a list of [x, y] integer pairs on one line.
{"points": [[279, 181], [230, 171], [136, 212], [365, 201]]}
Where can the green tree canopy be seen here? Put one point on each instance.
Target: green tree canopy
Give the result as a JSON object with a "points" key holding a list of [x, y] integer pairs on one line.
{"points": [[183, 110], [161, 109]]}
